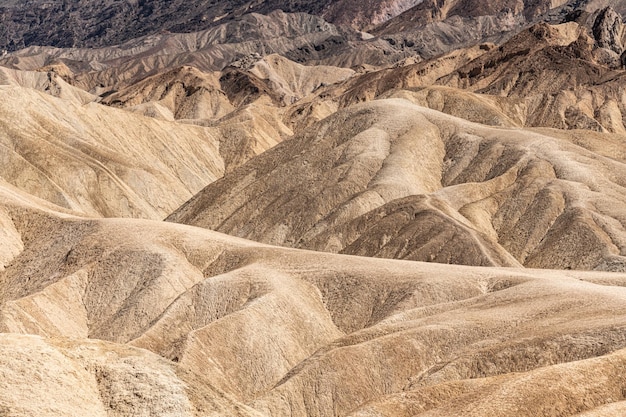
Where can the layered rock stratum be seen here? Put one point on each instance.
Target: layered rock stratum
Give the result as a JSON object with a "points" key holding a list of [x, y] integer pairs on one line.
{"points": [[390, 208]]}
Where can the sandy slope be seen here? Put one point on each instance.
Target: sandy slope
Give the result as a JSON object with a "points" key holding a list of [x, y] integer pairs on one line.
{"points": [[101, 161], [64, 145], [193, 322], [392, 179], [136, 317]]}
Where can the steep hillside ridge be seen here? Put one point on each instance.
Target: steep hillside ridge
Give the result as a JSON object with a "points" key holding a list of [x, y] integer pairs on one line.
{"points": [[87, 23], [464, 23], [412, 75], [182, 93], [284, 332], [293, 81], [366, 14], [546, 76], [559, 71], [53, 81], [95, 24], [299, 37], [102, 161], [243, 107], [508, 193], [432, 11], [245, 102], [467, 397], [411, 80]]}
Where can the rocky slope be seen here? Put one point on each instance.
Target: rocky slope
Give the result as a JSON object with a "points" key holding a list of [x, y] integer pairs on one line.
{"points": [[459, 133], [87, 23], [313, 32], [301, 36], [395, 180], [546, 76], [97, 160], [79, 156], [143, 317], [256, 102]]}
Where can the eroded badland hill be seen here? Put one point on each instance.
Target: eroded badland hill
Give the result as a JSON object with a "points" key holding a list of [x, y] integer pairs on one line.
{"points": [[298, 208]]}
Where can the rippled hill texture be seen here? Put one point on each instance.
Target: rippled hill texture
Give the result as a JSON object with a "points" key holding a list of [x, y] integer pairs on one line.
{"points": [[288, 209]]}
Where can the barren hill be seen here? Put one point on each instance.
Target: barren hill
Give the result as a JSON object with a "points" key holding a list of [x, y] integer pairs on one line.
{"points": [[61, 145], [301, 36], [392, 179], [94, 24], [141, 317], [557, 76], [309, 168], [87, 23], [79, 156]]}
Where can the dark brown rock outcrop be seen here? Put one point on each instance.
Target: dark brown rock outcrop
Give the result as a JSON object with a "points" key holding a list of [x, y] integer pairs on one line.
{"points": [[608, 30]]}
